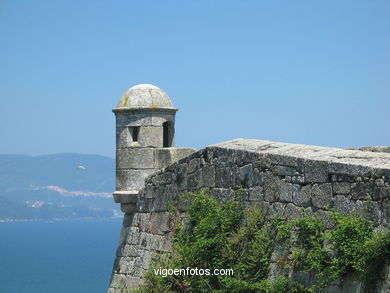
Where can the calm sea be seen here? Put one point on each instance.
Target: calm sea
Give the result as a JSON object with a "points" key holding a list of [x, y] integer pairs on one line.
{"points": [[58, 257]]}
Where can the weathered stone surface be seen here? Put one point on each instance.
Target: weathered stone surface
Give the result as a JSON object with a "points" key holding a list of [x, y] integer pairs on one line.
{"points": [[361, 190], [123, 137], [122, 281], [132, 179], [193, 165], [125, 196], [285, 171], [341, 187], [151, 136], [383, 283], [144, 96], [271, 187], [128, 220], [225, 177], [208, 176], [285, 191], [128, 208], [256, 193], [379, 149], [135, 158], [353, 283], [281, 179], [342, 204], [276, 210], [316, 171], [136, 119], [321, 195], [292, 212], [166, 156], [246, 175]]}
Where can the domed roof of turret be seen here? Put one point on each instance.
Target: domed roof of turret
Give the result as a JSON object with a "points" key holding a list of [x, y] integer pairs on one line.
{"points": [[145, 96]]}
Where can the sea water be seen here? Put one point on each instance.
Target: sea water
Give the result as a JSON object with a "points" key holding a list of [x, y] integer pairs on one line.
{"points": [[57, 257]]}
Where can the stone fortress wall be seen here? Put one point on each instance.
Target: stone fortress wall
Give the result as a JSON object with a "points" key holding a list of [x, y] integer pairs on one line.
{"points": [[280, 178]]}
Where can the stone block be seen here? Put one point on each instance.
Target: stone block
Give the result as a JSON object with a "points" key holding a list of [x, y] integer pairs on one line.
{"points": [[167, 156], [123, 137], [125, 282], [135, 158], [130, 251], [256, 193], [195, 181], [385, 210], [131, 235], [246, 175], [276, 189], [285, 160], [224, 177], [159, 118], [151, 136], [128, 220], [285, 191], [181, 176], [193, 165], [139, 119], [316, 171], [271, 187], [322, 195], [258, 177], [276, 210], [284, 171], [123, 234], [132, 179], [208, 176], [162, 178], [361, 190], [291, 212], [157, 223], [125, 196], [128, 208], [341, 187], [379, 193], [302, 197], [349, 169]]}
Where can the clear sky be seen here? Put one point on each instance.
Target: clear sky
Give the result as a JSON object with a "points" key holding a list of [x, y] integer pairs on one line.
{"points": [[312, 72]]}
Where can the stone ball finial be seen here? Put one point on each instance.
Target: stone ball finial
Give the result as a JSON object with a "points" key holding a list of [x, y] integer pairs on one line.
{"points": [[145, 96]]}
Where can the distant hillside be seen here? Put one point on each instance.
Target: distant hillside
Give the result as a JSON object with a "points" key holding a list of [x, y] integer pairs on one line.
{"points": [[60, 186]]}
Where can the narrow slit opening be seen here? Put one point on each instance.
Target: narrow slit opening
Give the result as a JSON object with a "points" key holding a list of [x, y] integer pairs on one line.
{"points": [[134, 133], [165, 134]]}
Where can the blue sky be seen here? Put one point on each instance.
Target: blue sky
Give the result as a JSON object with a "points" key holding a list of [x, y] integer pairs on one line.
{"points": [[312, 72]]}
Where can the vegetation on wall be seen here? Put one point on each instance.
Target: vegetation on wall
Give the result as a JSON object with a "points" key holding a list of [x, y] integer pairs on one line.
{"points": [[227, 235]]}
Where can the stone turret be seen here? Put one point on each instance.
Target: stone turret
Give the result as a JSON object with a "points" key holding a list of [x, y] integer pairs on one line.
{"points": [[145, 140]]}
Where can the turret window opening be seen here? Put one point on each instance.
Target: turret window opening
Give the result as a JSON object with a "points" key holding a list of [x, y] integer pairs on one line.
{"points": [[165, 134], [134, 132], [168, 132]]}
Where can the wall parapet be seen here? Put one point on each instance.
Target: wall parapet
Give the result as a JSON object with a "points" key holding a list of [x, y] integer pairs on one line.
{"points": [[282, 179]]}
